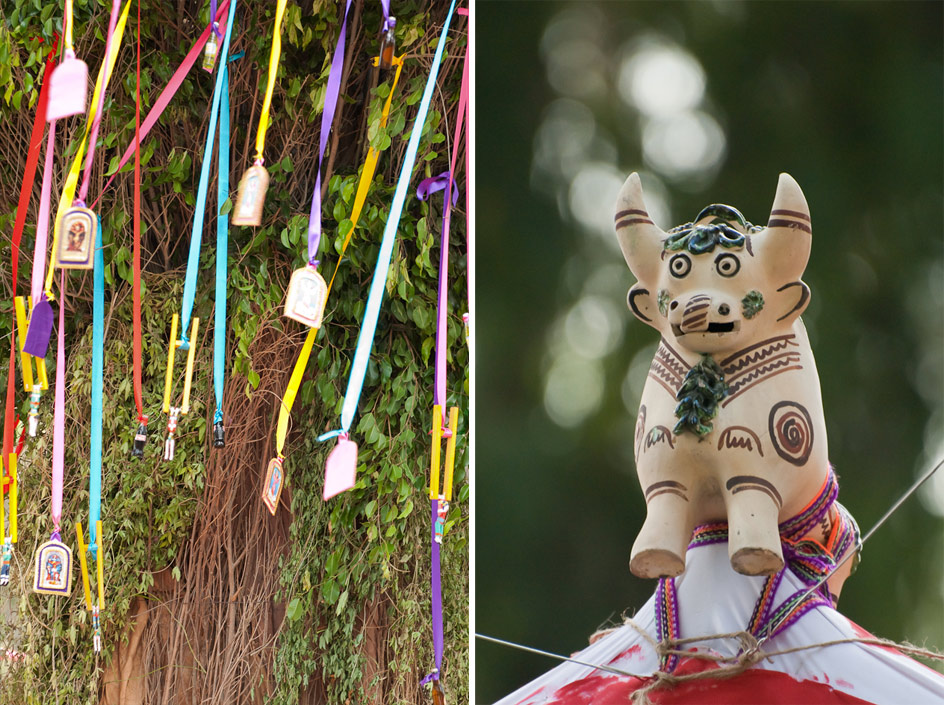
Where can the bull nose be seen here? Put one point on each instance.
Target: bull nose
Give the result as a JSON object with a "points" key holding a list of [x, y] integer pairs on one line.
{"points": [[695, 315]]}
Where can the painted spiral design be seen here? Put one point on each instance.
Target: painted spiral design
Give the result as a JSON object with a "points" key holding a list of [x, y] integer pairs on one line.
{"points": [[791, 432]]}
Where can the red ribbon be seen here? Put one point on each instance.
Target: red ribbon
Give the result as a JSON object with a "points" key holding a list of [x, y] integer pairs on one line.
{"points": [[26, 189]]}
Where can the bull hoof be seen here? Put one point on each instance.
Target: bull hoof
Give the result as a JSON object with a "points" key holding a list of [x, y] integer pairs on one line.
{"points": [[756, 561], [656, 563]]}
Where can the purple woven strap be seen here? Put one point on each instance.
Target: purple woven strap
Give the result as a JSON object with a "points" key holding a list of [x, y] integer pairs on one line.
{"points": [[327, 119], [667, 620]]}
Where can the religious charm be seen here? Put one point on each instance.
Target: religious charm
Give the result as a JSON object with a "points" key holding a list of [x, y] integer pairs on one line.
{"points": [[307, 295], [730, 426], [170, 443], [442, 508], [219, 439], [210, 51], [96, 629], [5, 559], [34, 410], [68, 88], [388, 43], [53, 568], [272, 489], [140, 439], [76, 238], [439, 695], [251, 196]]}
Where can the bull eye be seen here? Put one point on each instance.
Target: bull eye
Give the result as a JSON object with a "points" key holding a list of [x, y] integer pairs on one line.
{"points": [[680, 265], [727, 265]]}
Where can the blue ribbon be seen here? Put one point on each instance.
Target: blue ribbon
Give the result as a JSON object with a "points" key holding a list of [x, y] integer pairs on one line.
{"points": [[98, 380], [193, 259], [222, 241], [365, 339]]}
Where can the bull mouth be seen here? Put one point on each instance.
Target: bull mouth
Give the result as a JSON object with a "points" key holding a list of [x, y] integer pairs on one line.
{"points": [[719, 328]]}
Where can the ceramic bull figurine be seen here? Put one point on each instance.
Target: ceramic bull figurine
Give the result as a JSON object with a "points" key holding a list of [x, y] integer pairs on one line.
{"points": [[730, 424]]}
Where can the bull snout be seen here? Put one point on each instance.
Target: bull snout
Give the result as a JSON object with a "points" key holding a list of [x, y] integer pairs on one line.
{"points": [[701, 313]]}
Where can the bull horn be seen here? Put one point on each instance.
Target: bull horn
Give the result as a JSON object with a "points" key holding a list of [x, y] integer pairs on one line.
{"points": [[640, 239], [784, 246]]}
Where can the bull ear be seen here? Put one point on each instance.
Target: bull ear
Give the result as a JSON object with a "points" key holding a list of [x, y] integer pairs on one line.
{"points": [[640, 239], [642, 305], [784, 246]]}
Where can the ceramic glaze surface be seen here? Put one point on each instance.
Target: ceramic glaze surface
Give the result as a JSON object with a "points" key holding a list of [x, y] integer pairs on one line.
{"points": [[730, 424]]}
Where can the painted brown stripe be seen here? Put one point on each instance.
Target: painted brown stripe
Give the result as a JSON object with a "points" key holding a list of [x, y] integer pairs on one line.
{"points": [[780, 359], [672, 392], [674, 352], [663, 484], [631, 211], [770, 341], [795, 214], [697, 306], [699, 297], [635, 221], [667, 491], [752, 482], [767, 376], [804, 295], [743, 488], [690, 321], [777, 223]]}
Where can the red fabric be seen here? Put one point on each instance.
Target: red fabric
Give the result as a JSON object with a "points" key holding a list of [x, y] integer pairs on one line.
{"points": [[26, 189], [753, 687]]}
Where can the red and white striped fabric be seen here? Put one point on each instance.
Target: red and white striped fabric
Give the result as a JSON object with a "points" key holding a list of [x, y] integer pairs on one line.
{"points": [[713, 599]]}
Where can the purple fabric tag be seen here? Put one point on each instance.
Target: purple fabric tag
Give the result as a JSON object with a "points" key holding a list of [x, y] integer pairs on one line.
{"points": [[40, 329]]}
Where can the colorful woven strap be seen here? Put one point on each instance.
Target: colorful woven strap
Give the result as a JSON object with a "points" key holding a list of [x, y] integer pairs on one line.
{"points": [[807, 559], [667, 620]]}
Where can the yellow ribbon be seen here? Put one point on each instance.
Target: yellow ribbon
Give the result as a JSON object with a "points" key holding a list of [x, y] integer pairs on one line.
{"points": [[67, 25], [270, 85], [363, 186], [72, 179]]}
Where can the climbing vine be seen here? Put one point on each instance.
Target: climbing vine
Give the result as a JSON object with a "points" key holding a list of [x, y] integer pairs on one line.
{"points": [[207, 595]]}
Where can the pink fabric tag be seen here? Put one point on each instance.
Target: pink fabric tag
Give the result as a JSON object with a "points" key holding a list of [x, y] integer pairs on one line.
{"points": [[68, 90], [340, 468]]}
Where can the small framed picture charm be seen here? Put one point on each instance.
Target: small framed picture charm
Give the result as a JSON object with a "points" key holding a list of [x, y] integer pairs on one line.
{"points": [[307, 295], [53, 569], [250, 196], [76, 239], [272, 489]]}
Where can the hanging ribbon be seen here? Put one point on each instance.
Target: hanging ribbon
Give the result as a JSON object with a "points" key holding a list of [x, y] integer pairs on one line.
{"points": [[360, 197], [164, 99], [140, 436], [72, 178], [340, 475], [220, 96], [274, 55], [26, 190], [440, 502], [327, 119]]}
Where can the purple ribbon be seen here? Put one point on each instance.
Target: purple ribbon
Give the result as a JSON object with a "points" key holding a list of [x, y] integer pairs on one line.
{"points": [[426, 189], [436, 585], [327, 118], [213, 23], [389, 22]]}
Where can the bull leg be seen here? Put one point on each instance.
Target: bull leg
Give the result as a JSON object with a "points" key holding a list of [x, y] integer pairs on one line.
{"points": [[659, 550], [753, 505]]}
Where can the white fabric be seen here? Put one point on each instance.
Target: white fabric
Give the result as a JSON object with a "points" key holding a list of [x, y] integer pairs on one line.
{"points": [[714, 599]]}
